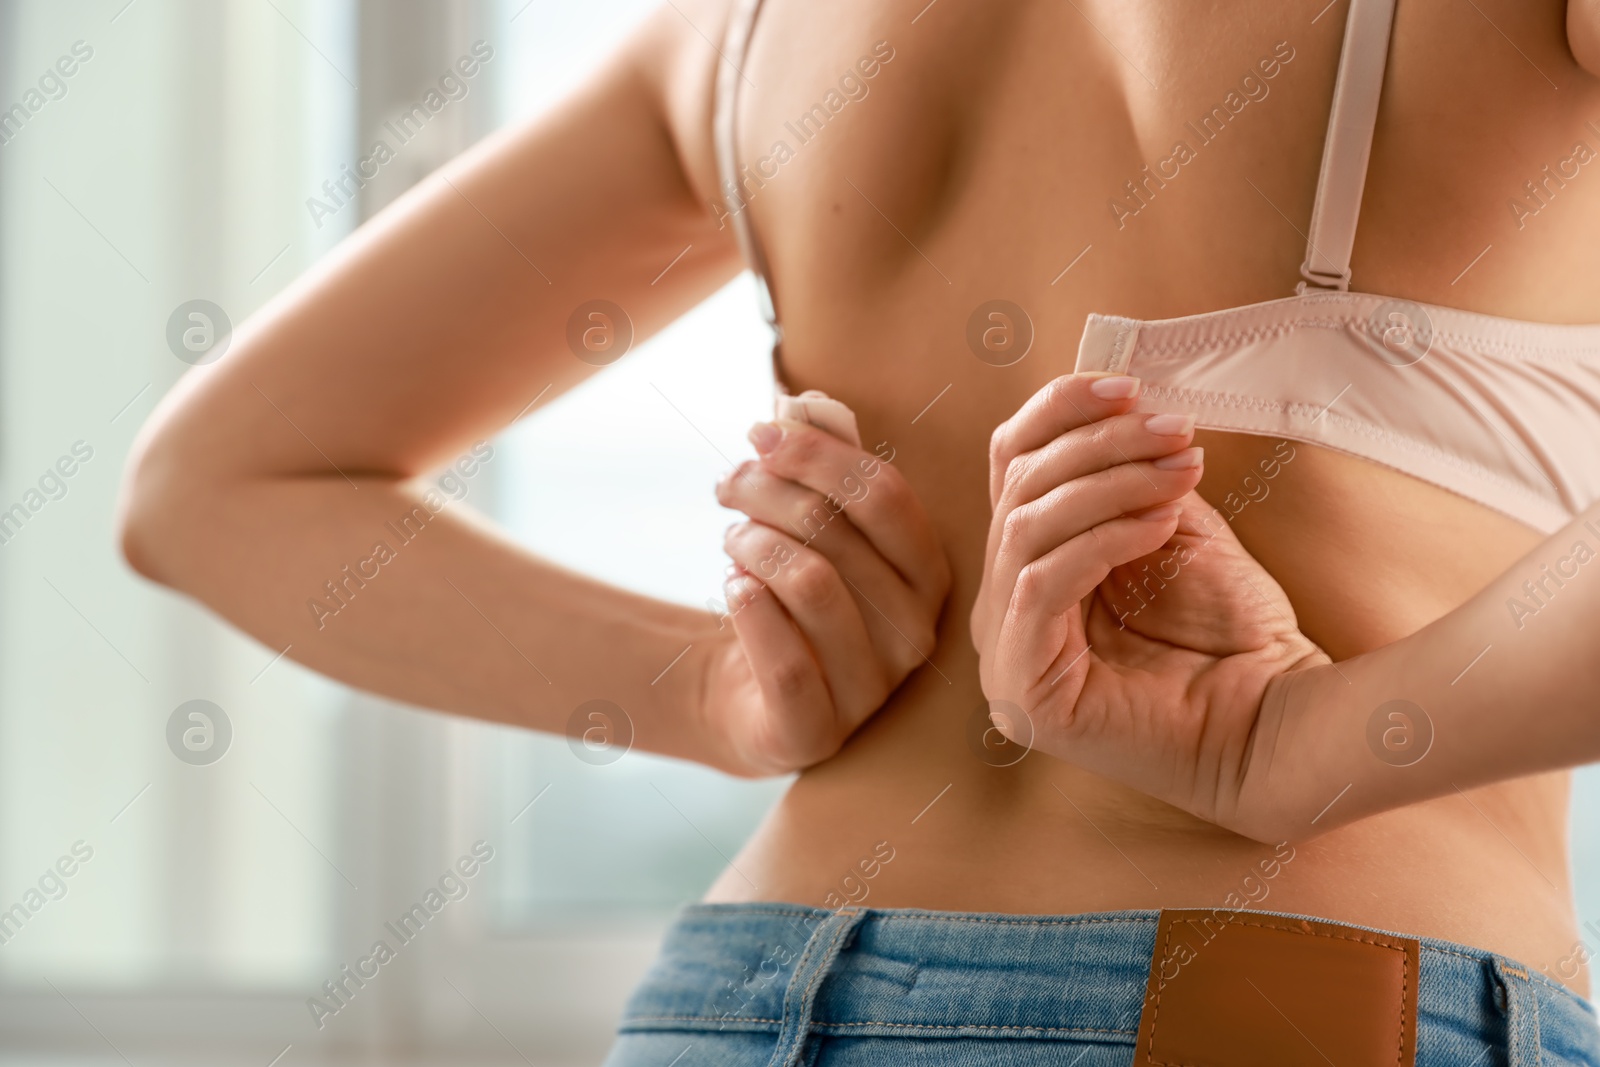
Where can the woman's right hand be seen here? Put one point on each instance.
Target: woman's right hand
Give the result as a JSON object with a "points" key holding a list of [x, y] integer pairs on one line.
{"points": [[833, 598], [1121, 616]]}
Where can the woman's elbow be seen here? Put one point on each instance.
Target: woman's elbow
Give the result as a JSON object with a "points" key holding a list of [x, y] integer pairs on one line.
{"points": [[136, 525], [155, 507]]}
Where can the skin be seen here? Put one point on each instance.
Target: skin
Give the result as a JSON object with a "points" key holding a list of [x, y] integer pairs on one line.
{"points": [[1583, 33], [1199, 688], [978, 165]]}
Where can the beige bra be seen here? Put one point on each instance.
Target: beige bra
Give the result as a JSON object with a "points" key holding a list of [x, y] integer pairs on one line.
{"points": [[1503, 412]]}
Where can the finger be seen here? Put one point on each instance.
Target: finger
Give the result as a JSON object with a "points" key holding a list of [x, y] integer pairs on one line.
{"points": [[1065, 404], [1092, 447], [879, 501], [1035, 529], [1090, 411], [822, 607], [1043, 605], [897, 621], [1096, 446], [799, 721]]}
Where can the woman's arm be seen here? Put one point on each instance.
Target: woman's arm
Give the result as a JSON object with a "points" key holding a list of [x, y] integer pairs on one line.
{"points": [[285, 466], [283, 486], [1122, 627], [1507, 684]]}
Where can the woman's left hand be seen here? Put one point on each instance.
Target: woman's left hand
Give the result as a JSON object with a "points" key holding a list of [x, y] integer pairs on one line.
{"points": [[1132, 632], [834, 595]]}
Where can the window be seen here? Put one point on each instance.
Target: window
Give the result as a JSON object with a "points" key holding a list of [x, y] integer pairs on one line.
{"points": [[185, 159]]}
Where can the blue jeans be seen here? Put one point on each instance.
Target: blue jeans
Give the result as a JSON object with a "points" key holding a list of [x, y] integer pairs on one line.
{"points": [[782, 985]]}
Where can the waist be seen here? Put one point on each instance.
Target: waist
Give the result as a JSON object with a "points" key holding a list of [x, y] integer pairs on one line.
{"points": [[917, 813], [1079, 978]]}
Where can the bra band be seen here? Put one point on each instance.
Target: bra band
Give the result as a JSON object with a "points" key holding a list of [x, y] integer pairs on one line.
{"points": [[725, 126], [1348, 146]]}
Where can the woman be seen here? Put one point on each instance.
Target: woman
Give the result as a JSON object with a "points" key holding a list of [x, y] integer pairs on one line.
{"points": [[1268, 704]]}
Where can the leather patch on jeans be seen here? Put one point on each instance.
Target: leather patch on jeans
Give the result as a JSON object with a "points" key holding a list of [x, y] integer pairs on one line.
{"points": [[1243, 989]]}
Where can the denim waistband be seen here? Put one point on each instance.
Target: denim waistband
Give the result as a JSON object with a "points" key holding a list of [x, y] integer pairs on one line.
{"points": [[927, 974]]}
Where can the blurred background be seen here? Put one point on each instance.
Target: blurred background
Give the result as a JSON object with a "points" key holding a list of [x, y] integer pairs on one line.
{"points": [[217, 886], [178, 162]]}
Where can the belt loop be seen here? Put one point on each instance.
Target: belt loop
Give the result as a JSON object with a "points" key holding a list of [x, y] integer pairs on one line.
{"points": [[816, 958], [1521, 1007]]}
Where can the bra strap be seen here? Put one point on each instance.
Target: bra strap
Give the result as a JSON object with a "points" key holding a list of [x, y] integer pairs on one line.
{"points": [[725, 125], [1348, 145]]}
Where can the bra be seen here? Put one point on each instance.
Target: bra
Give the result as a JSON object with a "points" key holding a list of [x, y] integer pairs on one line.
{"points": [[1500, 411]]}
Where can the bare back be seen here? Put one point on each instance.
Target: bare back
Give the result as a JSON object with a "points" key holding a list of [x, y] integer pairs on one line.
{"points": [[1003, 152]]}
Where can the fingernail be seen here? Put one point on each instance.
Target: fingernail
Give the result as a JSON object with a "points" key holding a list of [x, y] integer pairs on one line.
{"points": [[1116, 387], [1169, 425], [1181, 461], [732, 526], [765, 436], [1164, 513]]}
